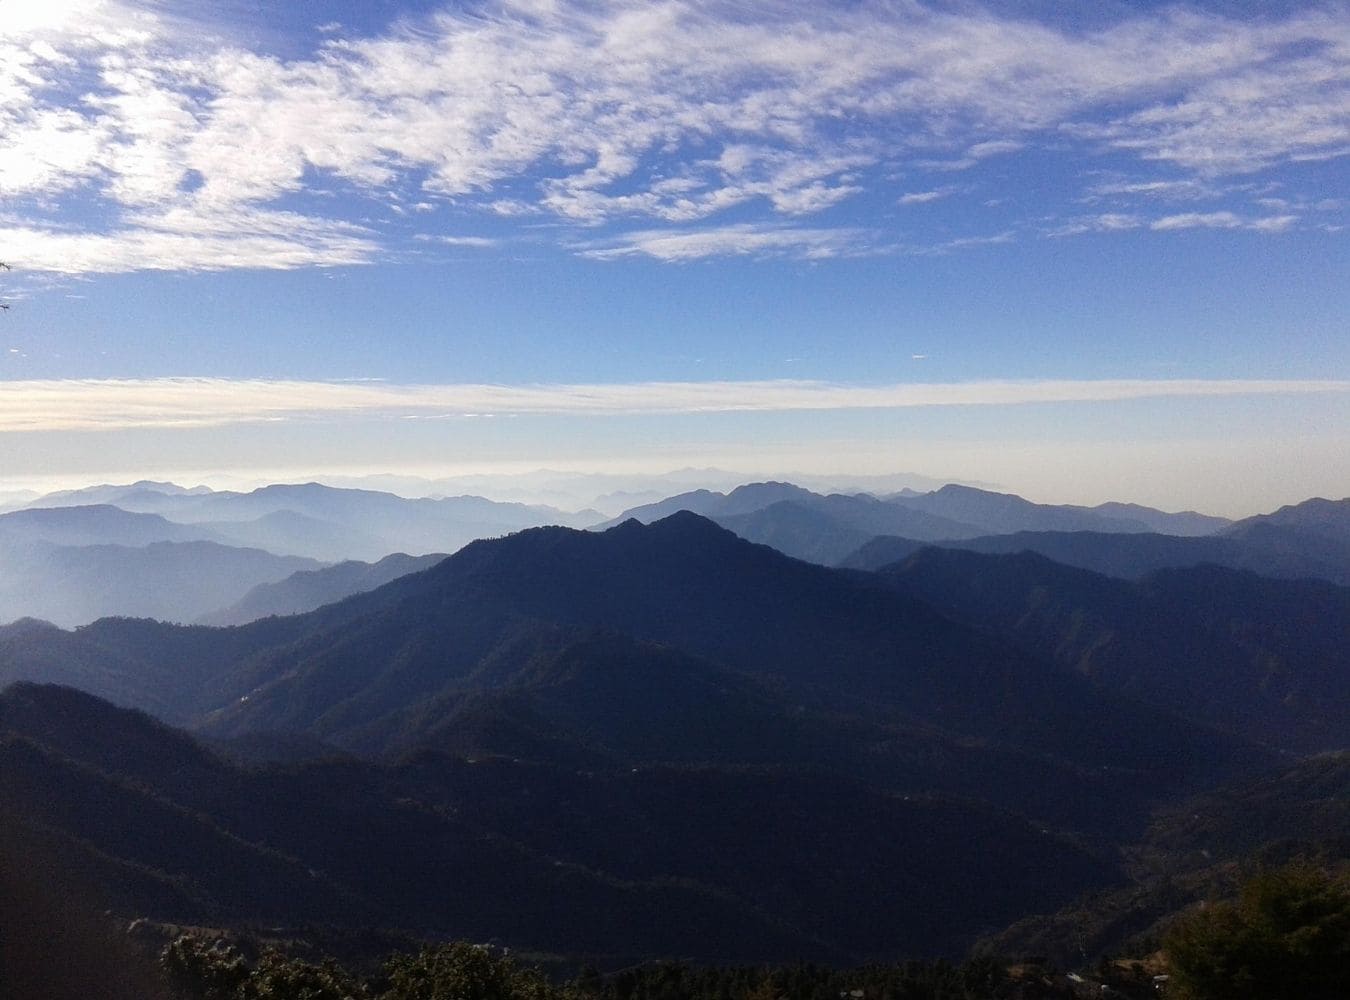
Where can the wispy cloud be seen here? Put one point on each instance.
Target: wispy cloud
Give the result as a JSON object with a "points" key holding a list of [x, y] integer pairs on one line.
{"points": [[962, 243], [1106, 222], [1110, 222], [482, 242], [739, 240], [924, 197], [1223, 220], [1166, 190], [669, 112], [178, 242], [94, 405]]}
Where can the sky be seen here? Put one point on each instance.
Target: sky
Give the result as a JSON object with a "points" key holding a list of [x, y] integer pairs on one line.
{"points": [[1084, 251]]}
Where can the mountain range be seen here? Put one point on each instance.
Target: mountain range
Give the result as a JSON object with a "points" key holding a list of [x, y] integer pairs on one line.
{"points": [[158, 550], [664, 739]]}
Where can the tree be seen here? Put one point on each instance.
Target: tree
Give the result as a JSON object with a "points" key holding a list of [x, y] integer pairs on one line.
{"points": [[204, 968], [280, 978], [462, 971], [1286, 937]]}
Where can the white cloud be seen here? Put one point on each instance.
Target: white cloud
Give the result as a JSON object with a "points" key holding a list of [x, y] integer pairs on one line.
{"points": [[962, 243], [1198, 220], [1169, 190], [738, 240], [94, 405], [1106, 222], [924, 197], [178, 240], [670, 110], [459, 241]]}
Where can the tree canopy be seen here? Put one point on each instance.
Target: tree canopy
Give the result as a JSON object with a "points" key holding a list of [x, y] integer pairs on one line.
{"points": [[1286, 937]]}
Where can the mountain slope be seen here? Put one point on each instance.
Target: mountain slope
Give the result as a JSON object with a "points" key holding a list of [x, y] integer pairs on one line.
{"points": [[310, 589], [835, 514], [1005, 513], [740, 865], [1131, 556], [1267, 658], [172, 581], [834, 639], [99, 524]]}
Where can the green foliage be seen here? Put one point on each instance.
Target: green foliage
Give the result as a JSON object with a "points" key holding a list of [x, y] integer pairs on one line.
{"points": [[1287, 937], [213, 969], [280, 978], [462, 971], [205, 968]]}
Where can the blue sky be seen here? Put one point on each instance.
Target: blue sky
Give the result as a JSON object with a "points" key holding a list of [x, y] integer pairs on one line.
{"points": [[1084, 251]]}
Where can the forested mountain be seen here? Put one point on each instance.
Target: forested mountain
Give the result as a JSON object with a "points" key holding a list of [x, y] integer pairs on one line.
{"points": [[829, 529], [1267, 658], [715, 864], [857, 513], [1196, 851], [664, 739], [1132, 556]]}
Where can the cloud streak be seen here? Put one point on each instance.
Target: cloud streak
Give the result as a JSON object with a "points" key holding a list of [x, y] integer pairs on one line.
{"points": [[101, 405]]}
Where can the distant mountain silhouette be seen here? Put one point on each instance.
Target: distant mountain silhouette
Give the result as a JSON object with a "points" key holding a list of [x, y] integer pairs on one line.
{"points": [[100, 524], [828, 529], [1315, 532], [742, 500], [140, 494], [1131, 556], [806, 525], [311, 519], [1188, 522], [310, 589], [1329, 519], [287, 532], [803, 532], [1004, 513], [172, 581]]}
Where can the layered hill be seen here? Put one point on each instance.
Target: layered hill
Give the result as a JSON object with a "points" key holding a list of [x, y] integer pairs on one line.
{"points": [[1293, 556], [663, 739], [310, 589], [1267, 658], [71, 585], [328, 523], [180, 555], [829, 529], [716, 864], [840, 642]]}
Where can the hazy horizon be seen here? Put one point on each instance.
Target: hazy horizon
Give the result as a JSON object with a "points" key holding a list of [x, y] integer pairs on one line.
{"points": [[573, 489]]}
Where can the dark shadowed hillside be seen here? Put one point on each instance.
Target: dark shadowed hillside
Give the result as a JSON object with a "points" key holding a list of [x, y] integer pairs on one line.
{"points": [[1131, 556], [1253, 655], [728, 864], [834, 639]]}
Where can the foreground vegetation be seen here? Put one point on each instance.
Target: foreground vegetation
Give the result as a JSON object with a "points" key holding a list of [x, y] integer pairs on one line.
{"points": [[1286, 937], [204, 969]]}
